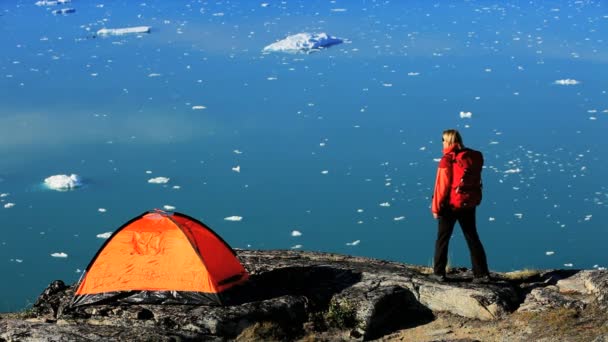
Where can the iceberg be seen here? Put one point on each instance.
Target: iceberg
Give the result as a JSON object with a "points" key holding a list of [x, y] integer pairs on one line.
{"points": [[105, 235], [59, 255], [51, 2], [567, 81], [159, 180], [303, 43], [64, 11], [466, 115], [122, 31], [233, 218], [63, 182]]}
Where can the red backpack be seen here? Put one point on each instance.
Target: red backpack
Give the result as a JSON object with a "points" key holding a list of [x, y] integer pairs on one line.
{"points": [[466, 178]]}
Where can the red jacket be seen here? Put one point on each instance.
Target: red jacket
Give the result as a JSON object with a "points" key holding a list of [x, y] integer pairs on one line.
{"points": [[443, 182]]}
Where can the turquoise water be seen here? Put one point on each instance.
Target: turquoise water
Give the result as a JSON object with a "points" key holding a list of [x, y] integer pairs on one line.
{"points": [[322, 139]]}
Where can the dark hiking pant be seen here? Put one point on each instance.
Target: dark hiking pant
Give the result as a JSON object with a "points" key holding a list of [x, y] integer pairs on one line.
{"points": [[466, 219]]}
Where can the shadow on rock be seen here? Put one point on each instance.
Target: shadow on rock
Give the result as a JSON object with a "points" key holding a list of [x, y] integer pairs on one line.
{"points": [[318, 283]]}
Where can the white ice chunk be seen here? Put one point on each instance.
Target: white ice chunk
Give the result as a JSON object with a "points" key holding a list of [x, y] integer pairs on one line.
{"points": [[154, 75], [516, 170], [102, 210], [549, 252], [385, 204], [303, 43], [567, 81], [466, 115], [519, 215], [354, 243], [158, 180], [296, 233], [568, 265], [63, 182], [237, 168], [324, 172], [64, 11], [400, 218], [9, 205], [198, 107], [233, 218], [3, 195], [168, 207], [122, 31], [105, 235], [46, 3], [296, 247], [59, 255]]}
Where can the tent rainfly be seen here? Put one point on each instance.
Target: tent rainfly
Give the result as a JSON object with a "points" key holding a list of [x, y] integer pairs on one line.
{"points": [[161, 258]]}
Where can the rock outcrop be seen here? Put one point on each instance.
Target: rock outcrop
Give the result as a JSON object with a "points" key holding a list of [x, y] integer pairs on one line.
{"points": [[295, 293]]}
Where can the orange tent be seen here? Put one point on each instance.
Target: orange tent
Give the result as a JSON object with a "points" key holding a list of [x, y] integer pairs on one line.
{"points": [[161, 257]]}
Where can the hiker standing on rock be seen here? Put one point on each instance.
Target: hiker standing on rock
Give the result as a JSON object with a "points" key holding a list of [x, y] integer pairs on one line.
{"points": [[457, 193]]}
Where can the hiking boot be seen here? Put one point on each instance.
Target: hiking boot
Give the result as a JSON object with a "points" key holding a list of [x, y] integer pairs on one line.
{"points": [[482, 279], [437, 277]]}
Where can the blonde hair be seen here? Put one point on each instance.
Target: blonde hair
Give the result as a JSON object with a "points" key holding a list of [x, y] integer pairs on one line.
{"points": [[452, 136]]}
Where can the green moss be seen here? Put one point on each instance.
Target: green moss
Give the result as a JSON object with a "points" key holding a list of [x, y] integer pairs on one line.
{"points": [[341, 314]]}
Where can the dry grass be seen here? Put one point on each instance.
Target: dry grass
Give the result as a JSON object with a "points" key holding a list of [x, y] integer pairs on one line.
{"points": [[262, 331]]}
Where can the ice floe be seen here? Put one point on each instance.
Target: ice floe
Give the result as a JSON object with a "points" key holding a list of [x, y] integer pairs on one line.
{"points": [[198, 107], [64, 11], [296, 233], [549, 252], [59, 255], [105, 235], [385, 204], [516, 170], [567, 81], [237, 168], [466, 115], [168, 207], [9, 205], [123, 31], [296, 247], [63, 182], [233, 218], [400, 218], [303, 43], [102, 210], [159, 180], [354, 243]]}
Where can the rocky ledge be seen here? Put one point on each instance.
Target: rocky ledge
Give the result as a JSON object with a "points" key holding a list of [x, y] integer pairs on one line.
{"points": [[294, 295]]}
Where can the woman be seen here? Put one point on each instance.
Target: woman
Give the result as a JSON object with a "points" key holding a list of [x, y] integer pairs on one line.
{"points": [[448, 206]]}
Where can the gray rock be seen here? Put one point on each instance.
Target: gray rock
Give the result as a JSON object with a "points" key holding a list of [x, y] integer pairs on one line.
{"points": [[545, 298], [593, 283]]}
